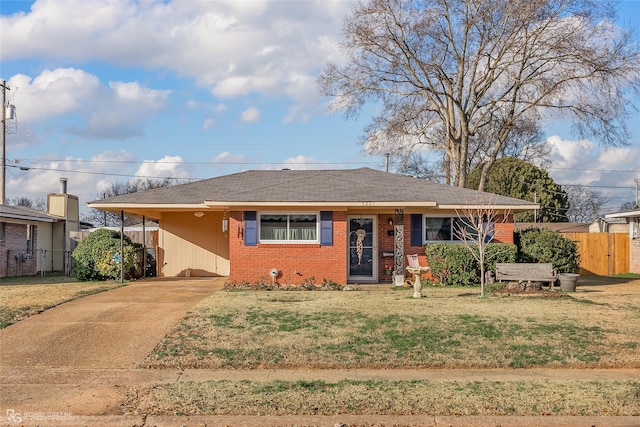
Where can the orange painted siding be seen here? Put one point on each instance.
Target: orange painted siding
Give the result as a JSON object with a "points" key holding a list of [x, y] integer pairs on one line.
{"points": [[192, 246]]}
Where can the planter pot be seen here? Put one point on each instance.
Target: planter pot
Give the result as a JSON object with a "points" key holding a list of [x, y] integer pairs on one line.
{"points": [[568, 281]]}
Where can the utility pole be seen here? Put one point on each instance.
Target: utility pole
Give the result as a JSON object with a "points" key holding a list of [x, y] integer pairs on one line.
{"points": [[4, 137]]}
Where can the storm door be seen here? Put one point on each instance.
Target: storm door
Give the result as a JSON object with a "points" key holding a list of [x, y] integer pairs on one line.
{"points": [[362, 249]]}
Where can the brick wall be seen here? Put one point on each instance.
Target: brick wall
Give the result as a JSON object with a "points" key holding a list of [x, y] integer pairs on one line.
{"points": [[300, 262], [296, 262], [15, 242], [504, 230]]}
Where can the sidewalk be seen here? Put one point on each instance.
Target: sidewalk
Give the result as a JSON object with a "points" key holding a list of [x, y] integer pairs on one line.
{"points": [[73, 366]]}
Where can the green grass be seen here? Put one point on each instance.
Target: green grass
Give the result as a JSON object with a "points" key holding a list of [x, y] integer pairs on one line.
{"points": [[48, 278], [242, 339], [626, 276]]}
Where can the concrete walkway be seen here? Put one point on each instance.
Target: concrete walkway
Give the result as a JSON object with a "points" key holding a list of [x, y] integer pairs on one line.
{"points": [[72, 366]]}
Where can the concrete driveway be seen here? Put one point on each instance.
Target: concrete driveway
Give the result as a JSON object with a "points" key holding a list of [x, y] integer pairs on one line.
{"points": [[69, 359]]}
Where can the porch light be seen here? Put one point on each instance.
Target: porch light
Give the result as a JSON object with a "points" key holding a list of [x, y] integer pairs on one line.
{"points": [[198, 214]]}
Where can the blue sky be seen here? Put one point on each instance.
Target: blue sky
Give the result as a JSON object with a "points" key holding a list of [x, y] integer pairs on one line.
{"points": [[105, 91]]}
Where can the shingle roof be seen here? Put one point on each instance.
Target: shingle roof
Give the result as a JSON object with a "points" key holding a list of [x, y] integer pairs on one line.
{"points": [[24, 213], [560, 227], [322, 186]]}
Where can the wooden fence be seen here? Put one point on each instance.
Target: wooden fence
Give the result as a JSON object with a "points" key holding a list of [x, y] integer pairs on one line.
{"points": [[603, 254]]}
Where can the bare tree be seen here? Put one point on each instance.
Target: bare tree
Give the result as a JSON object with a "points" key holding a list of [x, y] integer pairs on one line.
{"points": [[110, 219], [445, 70], [38, 204], [476, 229], [585, 205]]}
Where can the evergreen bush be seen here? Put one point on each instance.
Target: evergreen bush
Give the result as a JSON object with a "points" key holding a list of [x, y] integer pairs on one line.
{"points": [[97, 256], [544, 245], [453, 264]]}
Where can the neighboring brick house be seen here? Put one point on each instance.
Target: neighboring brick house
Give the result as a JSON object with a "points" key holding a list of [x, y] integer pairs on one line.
{"points": [[19, 239], [341, 225], [32, 241]]}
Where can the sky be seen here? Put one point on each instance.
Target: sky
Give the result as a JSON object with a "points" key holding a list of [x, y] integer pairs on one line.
{"points": [[192, 89]]}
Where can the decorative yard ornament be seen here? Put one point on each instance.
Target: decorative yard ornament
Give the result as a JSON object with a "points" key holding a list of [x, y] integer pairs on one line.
{"points": [[360, 235]]}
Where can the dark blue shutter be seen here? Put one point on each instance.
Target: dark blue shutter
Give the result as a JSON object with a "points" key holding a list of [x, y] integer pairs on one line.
{"points": [[416, 230], [326, 228], [250, 228]]}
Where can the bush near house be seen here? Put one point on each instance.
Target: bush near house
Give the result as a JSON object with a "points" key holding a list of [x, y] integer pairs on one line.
{"points": [[454, 264], [542, 245], [97, 257]]}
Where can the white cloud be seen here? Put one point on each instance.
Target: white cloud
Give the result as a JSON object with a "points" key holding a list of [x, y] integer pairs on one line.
{"points": [[42, 176], [610, 171], [52, 93], [299, 162], [166, 167], [82, 105], [250, 115], [233, 48], [206, 124], [228, 158]]}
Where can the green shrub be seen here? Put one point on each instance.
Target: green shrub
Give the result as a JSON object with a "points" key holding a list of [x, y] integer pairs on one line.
{"points": [[454, 264], [543, 245], [499, 252], [96, 257]]}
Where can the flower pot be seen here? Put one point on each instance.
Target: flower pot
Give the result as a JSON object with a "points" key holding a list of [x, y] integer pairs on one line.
{"points": [[568, 281]]}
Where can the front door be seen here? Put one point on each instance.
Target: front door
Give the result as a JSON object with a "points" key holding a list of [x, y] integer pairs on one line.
{"points": [[362, 249]]}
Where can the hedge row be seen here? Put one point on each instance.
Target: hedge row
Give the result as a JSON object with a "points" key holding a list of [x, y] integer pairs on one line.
{"points": [[454, 264]]}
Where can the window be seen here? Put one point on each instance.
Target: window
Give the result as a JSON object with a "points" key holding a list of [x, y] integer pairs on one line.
{"points": [[1, 231], [282, 227], [31, 235], [448, 229]]}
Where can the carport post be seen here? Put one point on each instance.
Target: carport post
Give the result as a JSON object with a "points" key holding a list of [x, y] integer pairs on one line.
{"points": [[144, 249], [121, 246]]}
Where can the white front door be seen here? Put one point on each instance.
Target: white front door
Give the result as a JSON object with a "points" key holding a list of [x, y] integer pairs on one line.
{"points": [[362, 249]]}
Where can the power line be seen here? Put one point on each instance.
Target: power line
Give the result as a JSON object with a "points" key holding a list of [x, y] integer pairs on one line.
{"points": [[27, 168], [23, 168], [213, 163], [18, 161]]}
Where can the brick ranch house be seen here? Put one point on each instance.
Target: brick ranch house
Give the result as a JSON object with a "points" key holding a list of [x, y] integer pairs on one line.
{"points": [[348, 226]]}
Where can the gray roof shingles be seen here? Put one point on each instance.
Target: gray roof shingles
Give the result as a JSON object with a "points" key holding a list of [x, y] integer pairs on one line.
{"points": [[22, 212], [347, 185]]}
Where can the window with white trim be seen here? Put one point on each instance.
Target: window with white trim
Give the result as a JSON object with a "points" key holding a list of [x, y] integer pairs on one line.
{"points": [[288, 227]]}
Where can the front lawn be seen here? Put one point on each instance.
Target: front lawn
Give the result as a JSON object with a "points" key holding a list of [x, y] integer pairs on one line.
{"points": [[596, 327], [449, 328], [21, 297]]}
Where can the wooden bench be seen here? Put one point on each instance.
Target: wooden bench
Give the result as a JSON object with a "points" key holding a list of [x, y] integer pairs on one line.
{"points": [[529, 272]]}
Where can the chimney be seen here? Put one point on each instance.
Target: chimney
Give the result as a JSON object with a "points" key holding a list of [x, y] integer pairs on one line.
{"points": [[63, 185]]}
